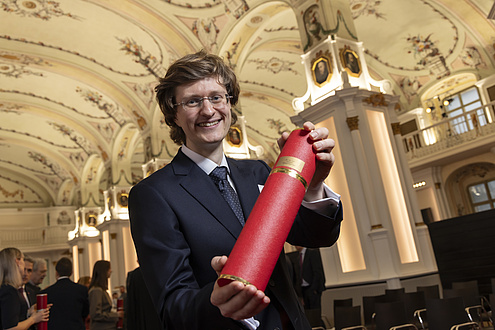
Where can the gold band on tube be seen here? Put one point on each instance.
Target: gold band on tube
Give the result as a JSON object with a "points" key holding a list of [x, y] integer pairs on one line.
{"points": [[234, 278], [291, 173]]}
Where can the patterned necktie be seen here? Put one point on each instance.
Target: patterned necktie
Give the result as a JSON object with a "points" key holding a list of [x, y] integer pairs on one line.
{"points": [[219, 176]]}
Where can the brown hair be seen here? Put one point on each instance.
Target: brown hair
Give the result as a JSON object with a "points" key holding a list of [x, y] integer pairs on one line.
{"points": [[188, 69], [9, 271], [100, 274]]}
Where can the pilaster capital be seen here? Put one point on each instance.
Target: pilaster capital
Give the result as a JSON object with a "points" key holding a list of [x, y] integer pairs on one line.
{"points": [[395, 128], [353, 123]]}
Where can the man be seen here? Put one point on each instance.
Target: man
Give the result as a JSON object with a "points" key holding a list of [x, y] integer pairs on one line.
{"points": [[309, 281], [37, 276], [182, 226], [139, 311], [69, 299], [28, 292]]}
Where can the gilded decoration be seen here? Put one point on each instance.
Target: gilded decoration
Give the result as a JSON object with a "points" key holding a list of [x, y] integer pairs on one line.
{"points": [[376, 100], [321, 68], [122, 198], [350, 61], [353, 123], [234, 137], [91, 218], [395, 128]]}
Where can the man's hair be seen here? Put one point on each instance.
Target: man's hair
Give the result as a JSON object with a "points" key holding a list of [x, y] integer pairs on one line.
{"points": [[9, 271], [38, 262], [64, 267], [28, 259], [100, 274], [189, 69]]}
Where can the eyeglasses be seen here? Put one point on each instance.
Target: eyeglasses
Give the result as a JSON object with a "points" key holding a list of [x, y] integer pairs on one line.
{"points": [[195, 103]]}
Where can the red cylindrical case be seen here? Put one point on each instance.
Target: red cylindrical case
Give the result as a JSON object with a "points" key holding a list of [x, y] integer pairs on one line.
{"points": [[120, 307], [41, 301], [256, 251]]}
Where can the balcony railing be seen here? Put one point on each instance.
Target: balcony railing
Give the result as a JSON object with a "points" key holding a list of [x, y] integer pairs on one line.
{"points": [[451, 132], [27, 239]]}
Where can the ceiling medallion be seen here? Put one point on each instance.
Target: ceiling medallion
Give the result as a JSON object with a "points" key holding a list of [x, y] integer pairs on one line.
{"points": [[256, 19], [29, 4]]}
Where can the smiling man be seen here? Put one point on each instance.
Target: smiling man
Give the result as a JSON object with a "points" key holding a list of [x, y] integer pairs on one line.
{"points": [[186, 217]]}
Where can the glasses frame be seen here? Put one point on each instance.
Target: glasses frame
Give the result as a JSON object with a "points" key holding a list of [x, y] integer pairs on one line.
{"points": [[202, 99]]}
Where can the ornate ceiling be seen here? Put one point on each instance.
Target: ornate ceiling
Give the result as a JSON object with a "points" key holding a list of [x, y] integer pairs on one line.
{"points": [[77, 77]]}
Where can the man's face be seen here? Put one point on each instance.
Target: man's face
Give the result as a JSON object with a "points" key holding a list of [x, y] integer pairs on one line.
{"points": [[321, 67], [28, 270], [38, 275], [207, 126]]}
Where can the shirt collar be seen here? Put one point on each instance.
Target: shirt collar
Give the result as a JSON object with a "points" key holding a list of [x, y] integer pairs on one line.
{"points": [[206, 164]]}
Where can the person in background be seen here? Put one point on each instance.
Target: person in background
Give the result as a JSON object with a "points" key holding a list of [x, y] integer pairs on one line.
{"points": [[14, 312], [123, 294], [139, 312], [184, 227], [38, 275], [309, 281], [100, 304], [69, 299], [28, 293], [85, 280]]}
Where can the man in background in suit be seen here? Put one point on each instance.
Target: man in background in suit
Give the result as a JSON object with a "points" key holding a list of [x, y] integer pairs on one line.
{"points": [[28, 292], [309, 280], [37, 276], [69, 299], [139, 311]]}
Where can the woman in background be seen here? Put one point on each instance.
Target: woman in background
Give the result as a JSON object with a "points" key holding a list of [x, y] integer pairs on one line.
{"points": [[13, 307], [85, 280], [100, 303]]}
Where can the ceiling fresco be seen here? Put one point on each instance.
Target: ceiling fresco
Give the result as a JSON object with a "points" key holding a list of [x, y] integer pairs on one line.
{"points": [[77, 112]]}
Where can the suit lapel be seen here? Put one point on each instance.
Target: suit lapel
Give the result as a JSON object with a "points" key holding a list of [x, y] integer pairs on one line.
{"points": [[245, 184], [201, 188]]}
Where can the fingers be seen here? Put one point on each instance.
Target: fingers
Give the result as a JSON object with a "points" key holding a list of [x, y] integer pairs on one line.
{"points": [[239, 301], [281, 140], [217, 263]]}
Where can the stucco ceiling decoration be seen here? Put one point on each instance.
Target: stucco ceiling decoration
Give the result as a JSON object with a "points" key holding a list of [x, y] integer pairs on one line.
{"points": [[77, 77]]}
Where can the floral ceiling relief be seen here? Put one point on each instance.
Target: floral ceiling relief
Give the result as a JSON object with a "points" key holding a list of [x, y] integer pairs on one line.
{"points": [[274, 65], [148, 61], [112, 110], [16, 192], [207, 33], [425, 50], [366, 8], [15, 66], [80, 141], [42, 9], [11, 108]]}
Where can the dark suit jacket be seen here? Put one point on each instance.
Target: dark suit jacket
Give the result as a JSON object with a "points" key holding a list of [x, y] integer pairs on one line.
{"points": [[70, 305], [139, 311], [179, 222], [312, 270], [32, 290]]}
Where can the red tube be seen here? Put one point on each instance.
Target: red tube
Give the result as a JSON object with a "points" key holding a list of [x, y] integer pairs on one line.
{"points": [[256, 251]]}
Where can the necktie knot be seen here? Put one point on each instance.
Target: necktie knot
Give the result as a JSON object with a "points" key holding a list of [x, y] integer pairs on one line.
{"points": [[219, 176]]}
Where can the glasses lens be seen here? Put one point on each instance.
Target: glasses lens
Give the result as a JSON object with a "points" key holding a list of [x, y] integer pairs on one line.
{"points": [[197, 102]]}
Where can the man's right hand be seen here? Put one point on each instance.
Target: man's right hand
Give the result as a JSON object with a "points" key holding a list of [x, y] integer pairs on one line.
{"points": [[236, 300]]}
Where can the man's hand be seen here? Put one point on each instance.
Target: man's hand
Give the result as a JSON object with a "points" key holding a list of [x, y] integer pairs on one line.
{"points": [[325, 159], [236, 300]]}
